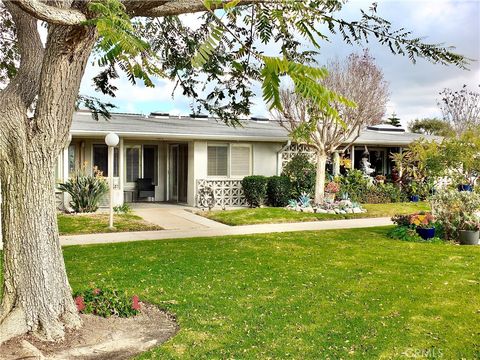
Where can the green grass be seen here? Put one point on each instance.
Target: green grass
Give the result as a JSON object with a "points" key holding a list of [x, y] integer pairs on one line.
{"points": [[280, 215], [98, 223], [308, 295]]}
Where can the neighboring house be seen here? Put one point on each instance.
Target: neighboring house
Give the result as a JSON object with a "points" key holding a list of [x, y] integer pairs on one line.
{"points": [[182, 154]]}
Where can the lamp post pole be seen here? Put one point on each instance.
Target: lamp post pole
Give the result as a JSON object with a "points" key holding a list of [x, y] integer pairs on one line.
{"points": [[111, 140]]}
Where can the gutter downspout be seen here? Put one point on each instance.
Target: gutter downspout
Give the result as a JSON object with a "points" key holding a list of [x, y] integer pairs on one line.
{"points": [[279, 156]]}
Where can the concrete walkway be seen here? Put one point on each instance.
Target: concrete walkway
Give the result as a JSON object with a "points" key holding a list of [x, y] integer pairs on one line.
{"points": [[220, 230], [176, 218]]}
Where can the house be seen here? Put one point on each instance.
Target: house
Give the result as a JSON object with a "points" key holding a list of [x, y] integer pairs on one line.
{"points": [[178, 155]]}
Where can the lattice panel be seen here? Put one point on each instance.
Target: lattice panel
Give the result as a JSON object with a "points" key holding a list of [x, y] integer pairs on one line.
{"points": [[295, 149], [227, 193]]}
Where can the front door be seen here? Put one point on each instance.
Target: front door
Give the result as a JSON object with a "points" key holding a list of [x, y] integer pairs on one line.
{"points": [[178, 173]]}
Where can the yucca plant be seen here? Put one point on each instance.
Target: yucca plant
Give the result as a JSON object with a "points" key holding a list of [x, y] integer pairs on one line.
{"points": [[85, 190]]}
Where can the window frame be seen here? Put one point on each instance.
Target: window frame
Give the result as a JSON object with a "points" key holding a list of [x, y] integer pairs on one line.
{"points": [[140, 161], [229, 147]]}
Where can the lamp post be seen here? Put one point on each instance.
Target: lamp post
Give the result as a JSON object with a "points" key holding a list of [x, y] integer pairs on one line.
{"points": [[111, 140]]}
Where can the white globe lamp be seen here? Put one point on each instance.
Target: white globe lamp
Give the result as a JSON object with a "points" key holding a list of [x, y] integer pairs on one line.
{"points": [[112, 139]]}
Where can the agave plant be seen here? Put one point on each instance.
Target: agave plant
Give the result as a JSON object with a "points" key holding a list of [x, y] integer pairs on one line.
{"points": [[85, 190]]}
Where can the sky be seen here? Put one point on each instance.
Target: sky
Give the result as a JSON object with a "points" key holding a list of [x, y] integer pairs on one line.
{"points": [[414, 88]]}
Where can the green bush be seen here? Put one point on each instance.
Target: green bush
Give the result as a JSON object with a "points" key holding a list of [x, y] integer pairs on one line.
{"points": [[279, 191], [354, 185], [122, 209], [85, 191], [106, 302], [453, 208], [302, 174], [255, 189]]}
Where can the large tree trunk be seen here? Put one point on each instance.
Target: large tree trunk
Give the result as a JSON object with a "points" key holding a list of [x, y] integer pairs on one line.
{"points": [[320, 177], [36, 294]]}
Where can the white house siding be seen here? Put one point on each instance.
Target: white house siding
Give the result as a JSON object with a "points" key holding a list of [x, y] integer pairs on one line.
{"points": [[265, 158]]}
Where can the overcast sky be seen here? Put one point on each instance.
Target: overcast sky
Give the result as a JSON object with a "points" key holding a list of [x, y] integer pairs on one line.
{"points": [[414, 87]]}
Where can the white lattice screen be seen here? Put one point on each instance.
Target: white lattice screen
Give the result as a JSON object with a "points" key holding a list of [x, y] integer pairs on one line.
{"points": [[227, 192], [295, 149]]}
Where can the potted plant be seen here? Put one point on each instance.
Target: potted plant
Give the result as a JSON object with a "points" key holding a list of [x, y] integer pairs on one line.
{"points": [[469, 231], [424, 224], [331, 191], [414, 192]]}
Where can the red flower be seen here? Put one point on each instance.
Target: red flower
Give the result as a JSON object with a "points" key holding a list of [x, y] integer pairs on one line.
{"points": [[80, 303], [135, 303]]}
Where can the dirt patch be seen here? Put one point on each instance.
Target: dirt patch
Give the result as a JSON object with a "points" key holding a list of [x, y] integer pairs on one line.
{"points": [[99, 338]]}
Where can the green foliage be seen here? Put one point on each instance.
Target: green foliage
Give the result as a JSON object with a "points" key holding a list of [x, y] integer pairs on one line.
{"points": [[120, 45], [255, 189], [85, 190], [106, 302], [394, 120], [125, 208], [301, 173], [431, 126], [355, 185], [279, 191], [453, 209]]}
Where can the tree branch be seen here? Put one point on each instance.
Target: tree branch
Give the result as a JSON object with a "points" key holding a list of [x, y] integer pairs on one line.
{"points": [[51, 14], [178, 7]]}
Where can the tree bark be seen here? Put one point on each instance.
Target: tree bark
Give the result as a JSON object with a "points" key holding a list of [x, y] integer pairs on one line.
{"points": [[320, 177], [36, 294]]}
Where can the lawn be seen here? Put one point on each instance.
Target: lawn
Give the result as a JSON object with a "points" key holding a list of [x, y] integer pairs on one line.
{"points": [[310, 295], [98, 223], [269, 215]]}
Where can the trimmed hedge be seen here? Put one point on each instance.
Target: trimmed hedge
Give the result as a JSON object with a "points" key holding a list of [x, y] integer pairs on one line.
{"points": [[255, 189], [279, 191]]}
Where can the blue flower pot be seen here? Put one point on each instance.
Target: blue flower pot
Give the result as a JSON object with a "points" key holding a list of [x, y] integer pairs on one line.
{"points": [[414, 198], [426, 234], [465, 187]]}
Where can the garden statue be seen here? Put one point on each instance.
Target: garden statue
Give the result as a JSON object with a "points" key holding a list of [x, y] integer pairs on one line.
{"points": [[365, 165]]}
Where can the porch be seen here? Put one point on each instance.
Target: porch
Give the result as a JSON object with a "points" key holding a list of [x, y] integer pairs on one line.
{"points": [[145, 170]]}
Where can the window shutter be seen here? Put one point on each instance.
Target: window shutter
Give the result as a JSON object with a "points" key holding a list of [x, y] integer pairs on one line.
{"points": [[217, 158], [240, 158]]}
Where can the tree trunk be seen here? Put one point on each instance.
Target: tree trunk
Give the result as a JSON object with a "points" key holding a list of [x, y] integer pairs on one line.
{"points": [[320, 177], [37, 296]]}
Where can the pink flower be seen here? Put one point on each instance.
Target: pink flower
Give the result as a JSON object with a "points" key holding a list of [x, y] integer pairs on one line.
{"points": [[135, 303], [96, 291], [80, 303]]}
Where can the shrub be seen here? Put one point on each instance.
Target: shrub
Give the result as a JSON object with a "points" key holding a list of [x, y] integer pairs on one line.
{"points": [[302, 174], [279, 190], [453, 208], [123, 209], [85, 190], [255, 189], [106, 302], [354, 185]]}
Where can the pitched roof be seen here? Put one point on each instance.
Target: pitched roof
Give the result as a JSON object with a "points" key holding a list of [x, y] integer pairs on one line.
{"points": [[164, 126], [177, 127]]}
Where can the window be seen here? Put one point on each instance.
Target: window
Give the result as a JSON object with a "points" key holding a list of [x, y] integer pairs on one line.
{"points": [[240, 160], [133, 163], [100, 159], [229, 160], [217, 160], [71, 159]]}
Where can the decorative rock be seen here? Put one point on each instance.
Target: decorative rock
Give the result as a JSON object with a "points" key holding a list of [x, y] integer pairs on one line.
{"points": [[342, 212], [321, 211], [330, 211], [308, 210], [357, 210]]}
